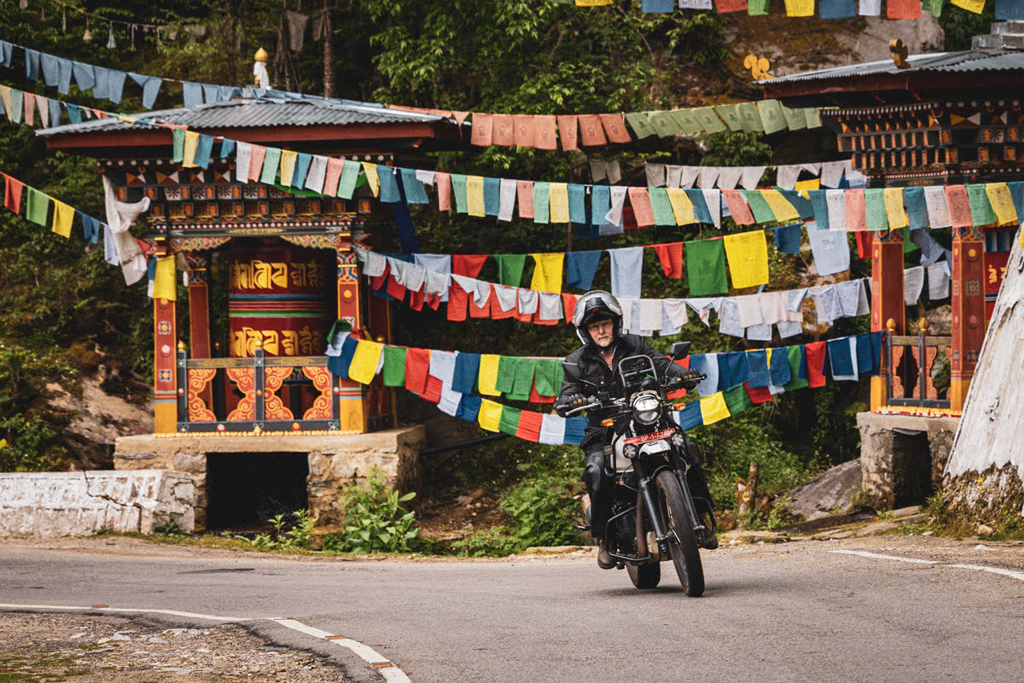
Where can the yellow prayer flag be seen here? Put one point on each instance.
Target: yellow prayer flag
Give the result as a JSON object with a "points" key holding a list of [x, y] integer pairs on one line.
{"points": [[489, 416], [475, 195], [559, 193], [894, 210], [748, 258], [782, 209], [488, 376], [365, 361], [191, 141], [975, 6], [1002, 203], [547, 272], [371, 176], [165, 285], [62, 217], [593, 3], [800, 8], [288, 159], [713, 408], [803, 185], [682, 207], [126, 119]]}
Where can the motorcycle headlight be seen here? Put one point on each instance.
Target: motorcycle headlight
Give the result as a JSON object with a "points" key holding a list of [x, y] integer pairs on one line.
{"points": [[646, 408]]}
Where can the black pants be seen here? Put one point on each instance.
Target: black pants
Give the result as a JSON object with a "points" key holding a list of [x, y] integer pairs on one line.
{"points": [[599, 486]]}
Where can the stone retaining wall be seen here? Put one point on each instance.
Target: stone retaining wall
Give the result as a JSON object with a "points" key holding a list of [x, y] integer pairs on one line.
{"points": [[79, 503]]}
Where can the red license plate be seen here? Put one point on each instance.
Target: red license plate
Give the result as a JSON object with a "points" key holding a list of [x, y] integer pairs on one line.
{"points": [[644, 438]]}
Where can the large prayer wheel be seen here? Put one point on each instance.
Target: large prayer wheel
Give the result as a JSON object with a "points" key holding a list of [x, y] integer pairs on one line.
{"points": [[279, 294]]}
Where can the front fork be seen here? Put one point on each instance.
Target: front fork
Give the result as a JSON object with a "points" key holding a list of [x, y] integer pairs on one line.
{"points": [[660, 534]]}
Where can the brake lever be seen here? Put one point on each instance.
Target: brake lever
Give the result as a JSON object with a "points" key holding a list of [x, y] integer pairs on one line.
{"points": [[589, 406]]}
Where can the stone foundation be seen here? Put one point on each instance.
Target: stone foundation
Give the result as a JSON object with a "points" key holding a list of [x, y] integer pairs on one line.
{"points": [[79, 503], [903, 456], [334, 461], [990, 497]]}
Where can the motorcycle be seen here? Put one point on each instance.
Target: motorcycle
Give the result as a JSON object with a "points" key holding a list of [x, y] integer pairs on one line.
{"points": [[654, 517]]}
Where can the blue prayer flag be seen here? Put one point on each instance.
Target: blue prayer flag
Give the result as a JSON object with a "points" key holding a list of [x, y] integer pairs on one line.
{"points": [[388, 184], [757, 368], [787, 238], [690, 416], [467, 365], [580, 267], [574, 429], [492, 196], [820, 205], [779, 369], [469, 408], [836, 9], [577, 204]]}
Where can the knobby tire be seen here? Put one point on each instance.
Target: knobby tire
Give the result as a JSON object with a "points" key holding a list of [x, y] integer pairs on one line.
{"points": [[682, 542]]}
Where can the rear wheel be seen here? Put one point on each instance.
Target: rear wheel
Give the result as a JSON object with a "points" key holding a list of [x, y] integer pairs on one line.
{"points": [[682, 543], [644, 575]]}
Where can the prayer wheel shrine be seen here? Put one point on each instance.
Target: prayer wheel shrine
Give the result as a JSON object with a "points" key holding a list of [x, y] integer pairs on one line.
{"points": [[267, 270], [925, 121]]}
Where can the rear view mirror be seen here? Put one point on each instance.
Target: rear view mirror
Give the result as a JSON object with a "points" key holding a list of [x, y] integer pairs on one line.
{"points": [[680, 350]]}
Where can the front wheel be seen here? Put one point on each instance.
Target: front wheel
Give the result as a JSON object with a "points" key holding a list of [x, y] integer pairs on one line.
{"points": [[682, 543], [644, 575]]}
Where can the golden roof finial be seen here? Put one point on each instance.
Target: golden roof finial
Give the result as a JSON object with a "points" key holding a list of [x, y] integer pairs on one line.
{"points": [[261, 56]]}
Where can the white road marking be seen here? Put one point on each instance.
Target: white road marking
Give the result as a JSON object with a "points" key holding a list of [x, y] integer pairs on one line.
{"points": [[381, 664], [976, 567], [879, 556]]}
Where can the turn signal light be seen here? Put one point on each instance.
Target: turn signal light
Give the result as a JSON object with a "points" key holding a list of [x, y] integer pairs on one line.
{"points": [[679, 406], [607, 423]]}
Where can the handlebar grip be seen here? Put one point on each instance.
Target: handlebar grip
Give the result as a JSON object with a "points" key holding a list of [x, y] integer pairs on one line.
{"points": [[589, 406]]}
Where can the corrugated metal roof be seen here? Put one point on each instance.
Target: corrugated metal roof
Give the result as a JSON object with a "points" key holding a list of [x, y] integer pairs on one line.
{"points": [[967, 60], [261, 113]]}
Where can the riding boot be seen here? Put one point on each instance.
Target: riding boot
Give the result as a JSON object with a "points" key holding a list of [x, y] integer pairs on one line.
{"points": [[604, 558]]}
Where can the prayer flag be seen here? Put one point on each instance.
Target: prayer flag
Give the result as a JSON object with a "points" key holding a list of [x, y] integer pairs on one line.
{"points": [[671, 257], [393, 373], [815, 353], [981, 209], [975, 6], [482, 131], [894, 212], [713, 408], [559, 198], [63, 215], [682, 207], [782, 209], [705, 267], [541, 202], [959, 206], [759, 206], [787, 238], [271, 160], [875, 215], [510, 268], [547, 272], [349, 176], [288, 159], [37, 206], [591, 131], [417, 365], [524, 133], [641, 203], [903, 9], [489, 416], [459, 190], [364, 363], [580, 268], [836, 9], [189, 152], [165, 284], [615, 128], [488, 374], [661, 207], [12, 193], [567, 131], [1002, 203], [371, 177], [524, 190], [545, 135], [738, 207], [475, 195]]}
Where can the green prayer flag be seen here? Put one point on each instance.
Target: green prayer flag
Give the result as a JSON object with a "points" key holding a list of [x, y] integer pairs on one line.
{"points": [[541, 202], [933, 6], [524, 379], [17, 105], [908, 246], [271, 161], [459, 190], [757, 7], [640, 124], [686, 121], [708, 120], [661, 206], [178, 154], [728, 113], [37, 206], [771, 116], [705, 267], [736, 399], [394, 367], [874, 209], [506, 374], [813, 117], [664, 123], [795, 118], [510, 268], [750, 117], [549, 377], [509, 422], [796, 356], [981, 207], [349, 176], [759, 207]]}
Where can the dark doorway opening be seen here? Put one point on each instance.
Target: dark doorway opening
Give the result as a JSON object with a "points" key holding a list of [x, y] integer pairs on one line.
{"points": [[244, 490], [911, 468]]}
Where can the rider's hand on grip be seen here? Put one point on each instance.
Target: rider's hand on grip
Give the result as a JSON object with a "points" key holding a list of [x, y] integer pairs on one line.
{"points": [[691, 378], [571, 402]]}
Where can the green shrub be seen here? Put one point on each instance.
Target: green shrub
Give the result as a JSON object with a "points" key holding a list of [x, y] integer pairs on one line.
{"points": [[543, 509], [29, 446], [495, 541], [375, 521]]}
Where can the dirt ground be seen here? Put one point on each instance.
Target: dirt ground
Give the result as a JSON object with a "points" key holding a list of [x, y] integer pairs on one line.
{"points": [[100, 649]]}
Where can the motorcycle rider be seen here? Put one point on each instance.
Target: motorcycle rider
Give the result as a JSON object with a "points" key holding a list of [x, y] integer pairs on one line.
{"points": [[594, 368]]}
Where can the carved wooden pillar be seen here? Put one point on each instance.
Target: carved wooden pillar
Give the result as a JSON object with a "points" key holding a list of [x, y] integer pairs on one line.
{"points": [[968, 312], [199, 303], [886, 300], [165, 334], [352, 419]]}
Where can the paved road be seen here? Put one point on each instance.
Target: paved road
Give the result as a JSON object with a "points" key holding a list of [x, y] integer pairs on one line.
{"points": [[793, 612]]}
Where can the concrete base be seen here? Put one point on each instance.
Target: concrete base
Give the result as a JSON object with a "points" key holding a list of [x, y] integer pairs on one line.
{"points": [[334, 461], [902, 456], [79, 503]]}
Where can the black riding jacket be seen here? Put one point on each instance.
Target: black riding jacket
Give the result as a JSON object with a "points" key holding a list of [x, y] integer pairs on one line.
{"points": [[586, 364]]}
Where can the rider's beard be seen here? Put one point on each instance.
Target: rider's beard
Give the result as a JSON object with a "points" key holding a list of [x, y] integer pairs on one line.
{"points": [[603, 342]]}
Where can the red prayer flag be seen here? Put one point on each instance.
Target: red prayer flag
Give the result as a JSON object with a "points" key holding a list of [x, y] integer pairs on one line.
{"points": [[758, 395], [504, 130], [525, 190], [395, 289], [671, 257], [854, 210], [480, 311], [864, 244], [381, 280], [524, 130], [432, 392], [12, 193], [591, 132], [545, 135], [615, 127], [815, 364], [738, 207], [959, 206], [434, 301], [679, 393], [257, 153], [332, 176], [444, 191], [482, 130], [460, 116], [567, 127], [537, 398], [468, 265], [724, 6], [539, 321], [641, 203], [499, 313], [569, 304], [458, 300], [417, 363], [903, 9], [529, 425], [416, 299]]}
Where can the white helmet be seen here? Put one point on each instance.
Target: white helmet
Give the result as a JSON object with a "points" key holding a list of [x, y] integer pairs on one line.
{"points": [[596, 305]]}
